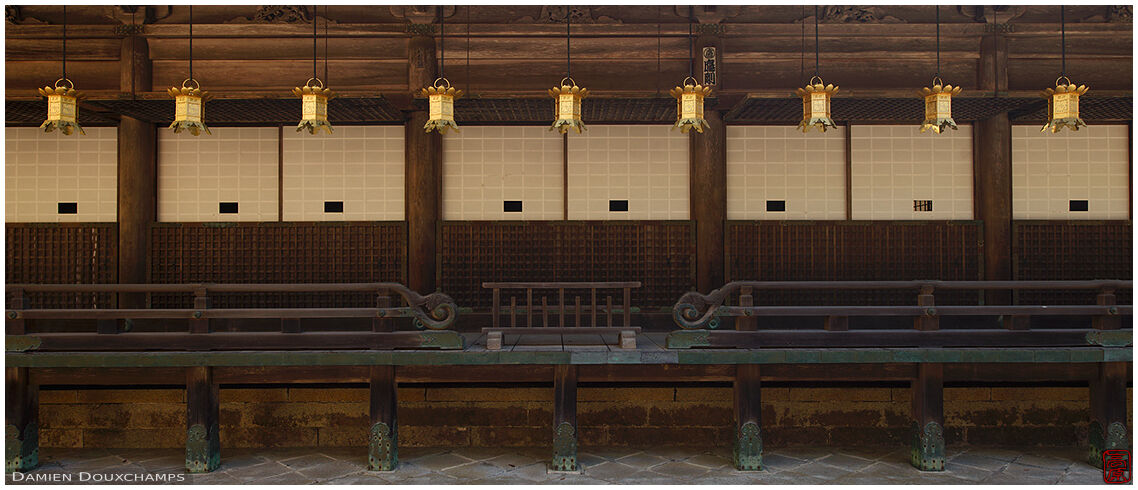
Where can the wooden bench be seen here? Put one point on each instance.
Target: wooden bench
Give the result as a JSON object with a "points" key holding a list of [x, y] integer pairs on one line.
{"points": [[1012, 336], [30, 335], [558, 311]]}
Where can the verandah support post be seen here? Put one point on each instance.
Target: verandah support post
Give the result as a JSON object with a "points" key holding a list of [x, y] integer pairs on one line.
{"points": [[137, 176], [927, 451], [21, 432], [383, 436], [423, 167], [708, 199], [564, 418], [203, 443], [748, 436], [1108, 429], [992, 160]]}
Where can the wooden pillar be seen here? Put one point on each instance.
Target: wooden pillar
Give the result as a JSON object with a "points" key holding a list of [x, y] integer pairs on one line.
{"points": [[564, 418], [1108, 429], [927, 451], [423, 162], [137, 196], [748, 448], [383, 437], [992, 162], [135, 69], [708, 200], [203, 443], [21, 441]]}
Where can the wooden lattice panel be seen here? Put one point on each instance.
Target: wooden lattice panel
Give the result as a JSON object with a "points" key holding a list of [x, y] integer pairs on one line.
{"points": [[659, 254], [277, 253], [854, 251], [1056, 250], [63, 253]]}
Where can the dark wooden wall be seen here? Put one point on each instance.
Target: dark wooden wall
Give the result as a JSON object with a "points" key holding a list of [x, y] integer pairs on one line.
{"points": [[62, 253], [1044, 250]]}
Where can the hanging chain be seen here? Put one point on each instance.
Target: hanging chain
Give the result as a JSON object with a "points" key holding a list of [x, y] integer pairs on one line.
{"points": [[659, 33], [65, 42], [816, 47], [568, 54], [325, 45], [802, 57], [937, 41], [132, 56], [191, 42], [468, 9], [691, 53], [1063, 40], [442, 42]]}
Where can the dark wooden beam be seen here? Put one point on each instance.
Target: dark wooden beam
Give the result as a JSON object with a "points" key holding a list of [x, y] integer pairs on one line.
{"points": [[21, 441], [748, 434], [1108, 429], [203, 442], [137, 203], [383, 435], [927, 451], [564, 418]]}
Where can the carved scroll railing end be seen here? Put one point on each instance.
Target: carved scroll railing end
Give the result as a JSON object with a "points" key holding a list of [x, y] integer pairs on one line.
{"points": [[696, 311]]}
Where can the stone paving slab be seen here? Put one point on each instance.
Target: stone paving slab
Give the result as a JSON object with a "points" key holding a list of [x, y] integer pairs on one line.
{"points": [[502, 466]]}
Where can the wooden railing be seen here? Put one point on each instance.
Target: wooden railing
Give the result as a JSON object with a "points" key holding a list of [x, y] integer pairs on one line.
{"points": [[579, 313], [698, 311], [434, 311]]}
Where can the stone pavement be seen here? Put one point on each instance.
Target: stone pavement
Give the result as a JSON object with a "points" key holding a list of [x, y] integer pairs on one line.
{"points": [[966, 465]]}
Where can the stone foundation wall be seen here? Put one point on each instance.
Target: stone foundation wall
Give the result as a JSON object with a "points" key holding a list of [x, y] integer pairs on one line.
{"points": [[508, 416]]}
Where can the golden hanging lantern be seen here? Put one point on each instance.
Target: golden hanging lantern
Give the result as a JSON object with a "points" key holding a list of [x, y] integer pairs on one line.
{"points": [[816, 105], [689, 105], [440, 96], [314, 106], [62, 100], [938, 106], [189, 111], [1063, 106], [568, 98]]}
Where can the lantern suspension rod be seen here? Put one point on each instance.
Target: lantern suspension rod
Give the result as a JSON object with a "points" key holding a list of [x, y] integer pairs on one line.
{"points": [[937, 41], [65, 42], [568, 66], [659, 36], [802, 53], [691, 53], [1062, 41], [191, 42], [442, 42], [816, 47], [325, 44], [314, 41], [468, 9]]}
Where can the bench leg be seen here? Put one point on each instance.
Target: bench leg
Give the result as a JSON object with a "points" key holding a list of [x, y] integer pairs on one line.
{"points": [[493, 340], [748, 447], [564, 418], [1108, 428], [203, 442], [927, 450], [383, 439], [21, 444]]}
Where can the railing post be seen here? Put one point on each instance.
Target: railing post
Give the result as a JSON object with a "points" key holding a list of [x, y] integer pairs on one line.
{"points": [[381, 324], [203, 441], [748, 434], [1108, 429], [198, 324], [383, 437], [21, 414], [927, 444], [529, 307], [1106, 322], [627, 307], [748, 323], [496, 308], [14, 324], [929, 320]]}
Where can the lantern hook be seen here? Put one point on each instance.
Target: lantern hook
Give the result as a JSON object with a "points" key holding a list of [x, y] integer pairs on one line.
{"points": [[572, 83], [937, 81], [1062, 77], [436, 83], [70, 85], [318, 81], [693, 81], [186, 83], [816, 77]]}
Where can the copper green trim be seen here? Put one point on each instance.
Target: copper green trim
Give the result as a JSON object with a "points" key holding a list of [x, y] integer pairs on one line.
{"points": [[1114, 437], [21, 451], [688, 339], [203, 449], [1110, 338], [21, 343], [383, 448], [447, 340], [564, 448], [927, 453], [748, 451]]}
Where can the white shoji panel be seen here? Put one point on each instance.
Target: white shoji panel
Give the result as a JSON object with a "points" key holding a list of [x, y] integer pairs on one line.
{"points": [[647, 165], [359, 165], [891, 166], [195, 173], [808, 171], [1049, 170], [44, 169], [486, 165]]}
